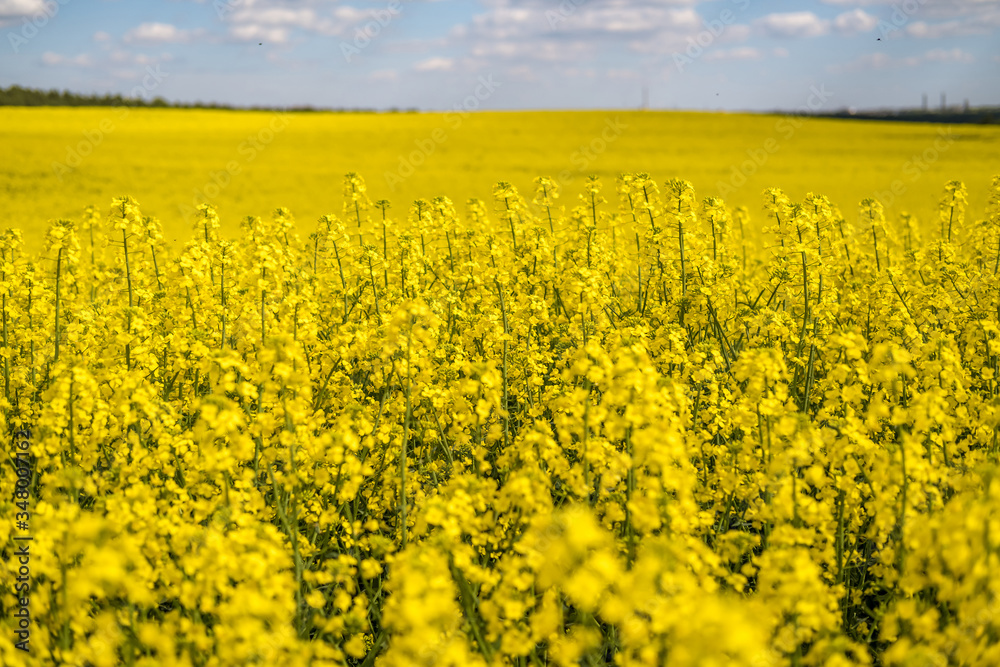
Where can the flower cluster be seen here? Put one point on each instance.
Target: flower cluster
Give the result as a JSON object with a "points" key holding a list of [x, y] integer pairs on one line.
{"points": [[655, 432]]}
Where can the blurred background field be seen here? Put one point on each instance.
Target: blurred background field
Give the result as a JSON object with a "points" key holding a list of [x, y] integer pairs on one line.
{"points": [[57, 160]]}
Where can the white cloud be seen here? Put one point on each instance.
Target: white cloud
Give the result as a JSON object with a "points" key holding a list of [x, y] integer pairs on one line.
{"points": [[578, 34], [128, 58], [875, 61], [276, 16], [955, 55], [436, 64], [935, 18], [251, 32], [526, 28], [924, 30], [792, 24], [157, 32], [738, 53], [39, 12], [736, 33], [545, 51], [937, 7], [102, 36], [855, 21], [617, 19], [879, 60], [56, 59], [273, 20], [352, 15], [19, 8]]}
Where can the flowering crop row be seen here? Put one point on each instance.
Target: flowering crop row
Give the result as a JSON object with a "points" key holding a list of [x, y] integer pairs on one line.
{"points": [[650, 431]]}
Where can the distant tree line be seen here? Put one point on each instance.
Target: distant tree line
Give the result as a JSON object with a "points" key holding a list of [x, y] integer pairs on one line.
{"points": [[981, 115], [30, 97], [19, 96]]}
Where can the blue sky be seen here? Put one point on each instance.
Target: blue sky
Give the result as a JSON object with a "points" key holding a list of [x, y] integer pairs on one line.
{"points": [[688, 54]]}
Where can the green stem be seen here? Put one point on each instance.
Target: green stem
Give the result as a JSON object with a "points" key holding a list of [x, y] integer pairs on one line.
{"points": [[156, 267], [128, 318], [371, 273], [506, 398], [878, 263], [263, 311], [58, 286], [93, 266], [222, 297], [510, 220], [680, 241], [629, 492], [586, 433], [6, 361], [406, 438]]}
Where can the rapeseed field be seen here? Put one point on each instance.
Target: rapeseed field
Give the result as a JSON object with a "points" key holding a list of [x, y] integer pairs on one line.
{"points": [[251, 162], [607, 419]]}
